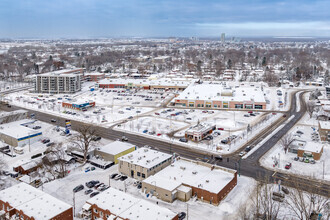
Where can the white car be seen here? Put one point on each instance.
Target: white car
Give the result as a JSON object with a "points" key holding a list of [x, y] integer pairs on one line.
{"points": [[118, 177], [242, 153]]}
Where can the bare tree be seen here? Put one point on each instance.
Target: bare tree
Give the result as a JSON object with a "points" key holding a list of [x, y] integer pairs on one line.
{"points": [[303, 204], [285, 142], [310, 107], [54, 164], [85, 138], [263, 205]]}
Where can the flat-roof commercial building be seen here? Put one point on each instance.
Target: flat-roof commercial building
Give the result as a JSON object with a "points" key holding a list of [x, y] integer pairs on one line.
{"points": [[199, 131], [211, 95], [114, 150], [23, 201], [115, 204], [78, 105], [145, 84], [16, 134], [63, 81], [143, 162], [185, 178]]}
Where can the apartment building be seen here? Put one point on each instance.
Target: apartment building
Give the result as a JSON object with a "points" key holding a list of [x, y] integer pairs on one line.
{"points": [[143, 162], [58, 82], [23, 201]]}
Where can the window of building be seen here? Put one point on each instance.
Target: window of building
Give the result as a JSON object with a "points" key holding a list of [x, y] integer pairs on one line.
{"points": [[95, 210], [238, 105], [101, 213], [225, 104], [138, 174], [143, 175], [258, 106], [248, 106], [215, 106], [166, 195]]}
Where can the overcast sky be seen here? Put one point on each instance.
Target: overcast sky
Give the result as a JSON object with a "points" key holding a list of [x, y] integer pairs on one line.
{"points": [[163, 18]]}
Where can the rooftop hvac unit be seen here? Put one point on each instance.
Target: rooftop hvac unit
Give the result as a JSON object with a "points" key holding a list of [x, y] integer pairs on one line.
{"points": [[207, 181], [145, 150], [194, 172], [182, 168]]}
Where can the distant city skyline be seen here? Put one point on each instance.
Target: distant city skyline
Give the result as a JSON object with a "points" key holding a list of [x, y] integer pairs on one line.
{"points": [[163, 18]]}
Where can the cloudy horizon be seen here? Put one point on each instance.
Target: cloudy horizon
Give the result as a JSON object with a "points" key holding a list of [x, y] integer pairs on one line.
{"points": [[147, 18]]}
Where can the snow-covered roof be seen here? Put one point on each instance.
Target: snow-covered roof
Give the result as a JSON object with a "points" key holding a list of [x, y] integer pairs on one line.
{"points": [[64, 72], [116, 147], [163, 183], [33, 202], [127, 206], [94, 74], [16, 130], [147, 82], [147, 211], [219, 92], [145, 157], [192, 174], [324, 125], [201, 127]]}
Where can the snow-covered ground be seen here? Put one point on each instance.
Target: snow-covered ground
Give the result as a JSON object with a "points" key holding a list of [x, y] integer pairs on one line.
{"points": [[48, 131], [306, 125], [104, 113], [165, 121], [62, 189]]}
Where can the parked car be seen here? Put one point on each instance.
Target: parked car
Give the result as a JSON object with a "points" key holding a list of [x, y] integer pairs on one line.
{"points": [[123, 178], [288, 166], [113, 175], [136, 183], [94, 194], [130, 117], [50, 144], [118, 177], [46, 141], [181, 215], [78, 188], [159, 134], [92, 183], [285, 190], [145, 131], [224, 141], [242, 153], [247, 115], [53, 120], [312, 161], [306, 160], [296, 158], [252, 114], [124, 138], [183, 140], [88, 191], [96, 138], [248, 148], [152, 132], [299, 132]]}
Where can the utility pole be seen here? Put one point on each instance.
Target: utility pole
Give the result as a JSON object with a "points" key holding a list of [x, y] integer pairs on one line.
{"points": [[74, 204]]}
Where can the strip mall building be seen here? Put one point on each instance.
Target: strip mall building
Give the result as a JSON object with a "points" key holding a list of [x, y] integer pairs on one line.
{"points": [[209, 95], [175, 84]]}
